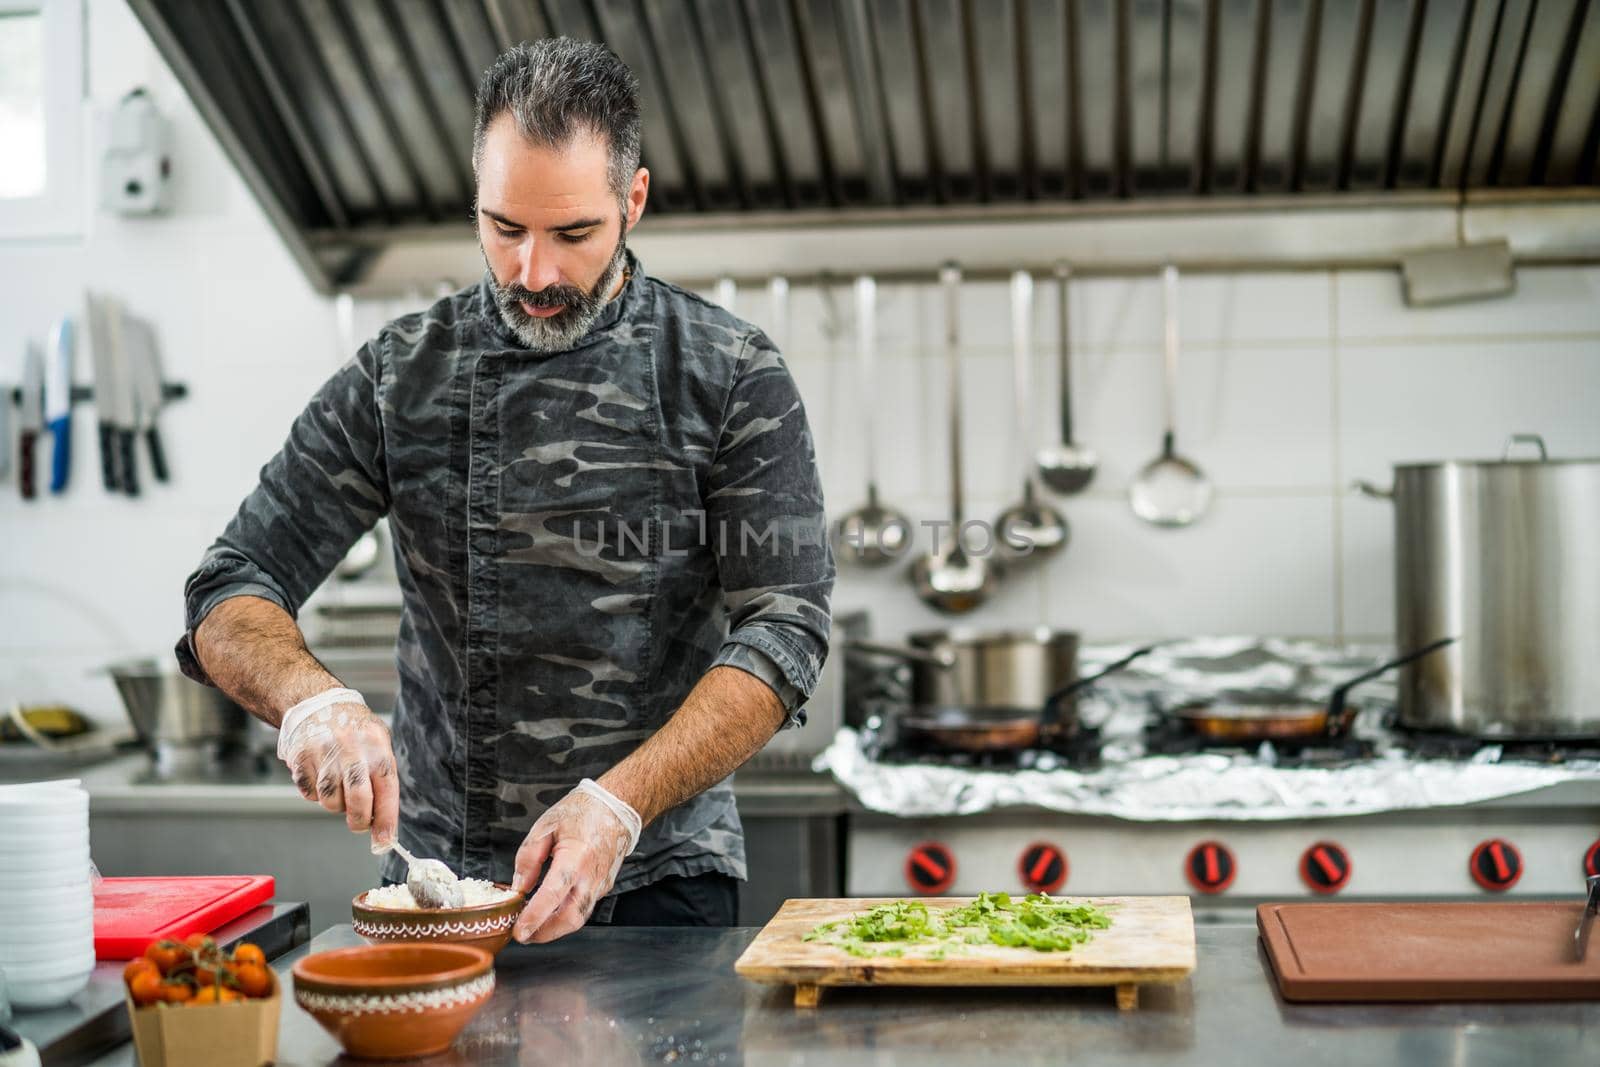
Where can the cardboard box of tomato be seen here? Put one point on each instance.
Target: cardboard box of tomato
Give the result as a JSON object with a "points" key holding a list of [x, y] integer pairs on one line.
{"points": [[194, 1005]]}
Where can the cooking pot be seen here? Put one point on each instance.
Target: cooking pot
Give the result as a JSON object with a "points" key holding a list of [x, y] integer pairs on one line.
{"points": [[1505, 555], [990, 691]]}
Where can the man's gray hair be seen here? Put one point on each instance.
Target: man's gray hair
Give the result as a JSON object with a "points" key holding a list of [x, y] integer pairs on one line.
{"points": [[558, 88]]}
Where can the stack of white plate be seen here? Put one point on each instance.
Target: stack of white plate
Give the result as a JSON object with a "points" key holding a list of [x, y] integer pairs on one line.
{"points": [[46, 897]]}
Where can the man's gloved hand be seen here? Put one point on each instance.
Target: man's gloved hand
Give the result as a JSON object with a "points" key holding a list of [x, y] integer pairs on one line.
{"points": [[585, 836], [339, 754]]}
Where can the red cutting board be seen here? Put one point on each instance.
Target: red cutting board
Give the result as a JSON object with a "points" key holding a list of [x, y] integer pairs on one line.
{"points": [[129, 913], [1503, 950]]}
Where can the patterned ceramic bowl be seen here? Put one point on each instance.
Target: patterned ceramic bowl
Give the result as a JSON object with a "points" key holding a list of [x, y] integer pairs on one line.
{"points": [[389, 1002], [486, 926]]}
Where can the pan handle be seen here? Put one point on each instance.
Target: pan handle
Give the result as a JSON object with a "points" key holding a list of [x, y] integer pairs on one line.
{"points": [[1052, 702], [1338, 715], [900, 652]]}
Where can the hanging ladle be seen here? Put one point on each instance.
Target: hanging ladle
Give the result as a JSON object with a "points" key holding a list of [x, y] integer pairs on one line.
{"points": [[951, 579], [872, 534], [1029, 529], [1170, 490], [1067, 467]]}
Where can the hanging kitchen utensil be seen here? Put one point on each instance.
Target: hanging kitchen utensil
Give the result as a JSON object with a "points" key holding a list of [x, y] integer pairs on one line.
{"points": [[31, 419], [1170, 490], [873, 534], [1254, 717], [144, 366], [950, 578], [1067, 467], [97, 335], [122, 404], [58, 402], [1029, 529]]}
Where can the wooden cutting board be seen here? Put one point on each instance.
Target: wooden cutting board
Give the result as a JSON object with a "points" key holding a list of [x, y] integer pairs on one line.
{"points": [[1150, 942], [1499, 950]]}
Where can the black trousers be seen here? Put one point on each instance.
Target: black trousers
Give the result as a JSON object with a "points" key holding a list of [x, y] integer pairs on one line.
{"points": [[710, 899]]}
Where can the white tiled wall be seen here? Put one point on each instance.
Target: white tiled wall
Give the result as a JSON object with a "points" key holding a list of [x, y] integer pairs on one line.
{"points": [[1291, 386]]}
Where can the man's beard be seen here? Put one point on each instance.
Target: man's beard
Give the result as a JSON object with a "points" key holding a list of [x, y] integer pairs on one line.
{"points": [[579, 309]]}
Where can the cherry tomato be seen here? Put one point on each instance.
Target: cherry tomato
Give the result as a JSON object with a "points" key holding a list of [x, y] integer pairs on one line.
{"points": [[245, 952], [216, 995], [142, 965], [252, 980], [176, 992], [168, 956], [145, 987]]}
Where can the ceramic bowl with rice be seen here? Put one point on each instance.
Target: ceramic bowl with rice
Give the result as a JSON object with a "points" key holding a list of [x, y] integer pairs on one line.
{"points": [[484, 920]]}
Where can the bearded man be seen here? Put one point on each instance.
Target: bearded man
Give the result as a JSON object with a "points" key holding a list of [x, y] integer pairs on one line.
{"points": [[606, 517]]}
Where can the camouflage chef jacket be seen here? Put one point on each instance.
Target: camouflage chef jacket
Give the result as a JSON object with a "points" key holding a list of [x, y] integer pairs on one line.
{"points": [[579, 537]]}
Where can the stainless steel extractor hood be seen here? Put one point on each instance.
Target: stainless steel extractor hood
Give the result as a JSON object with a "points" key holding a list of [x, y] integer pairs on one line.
{"points": [[351, 119]]}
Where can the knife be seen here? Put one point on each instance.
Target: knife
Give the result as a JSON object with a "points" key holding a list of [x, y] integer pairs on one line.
{"points": [[122, 405], [58, 403], [105, 386], [31, 421], [144, 367], [1580, 939]]}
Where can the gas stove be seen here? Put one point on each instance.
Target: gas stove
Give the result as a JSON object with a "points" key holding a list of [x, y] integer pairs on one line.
{"points": [[1137, 804]]}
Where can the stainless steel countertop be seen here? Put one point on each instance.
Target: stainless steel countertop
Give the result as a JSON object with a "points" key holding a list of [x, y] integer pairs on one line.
{"points": [[125, 785], [638, 996]]}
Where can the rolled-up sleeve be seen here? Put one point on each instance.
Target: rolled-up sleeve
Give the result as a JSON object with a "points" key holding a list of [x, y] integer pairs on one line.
{"points": [[764, 501], [323, 489]]}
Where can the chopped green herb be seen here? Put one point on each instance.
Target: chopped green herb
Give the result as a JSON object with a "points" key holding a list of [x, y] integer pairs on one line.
{"points": [[1037, 921]]}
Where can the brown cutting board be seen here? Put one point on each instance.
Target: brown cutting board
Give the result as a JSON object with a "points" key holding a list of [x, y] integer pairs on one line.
{"points": [[1150, 941], [1368, 952]]}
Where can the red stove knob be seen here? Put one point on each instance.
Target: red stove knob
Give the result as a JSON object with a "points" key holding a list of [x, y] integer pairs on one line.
{"points": [[1591, 860], [1043, 868], [1496, 865], [930, 868], [1325, 867], [1210, 867]]}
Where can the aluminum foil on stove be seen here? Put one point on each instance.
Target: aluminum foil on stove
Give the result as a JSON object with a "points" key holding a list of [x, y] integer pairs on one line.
{"points": [[1131, 784]]}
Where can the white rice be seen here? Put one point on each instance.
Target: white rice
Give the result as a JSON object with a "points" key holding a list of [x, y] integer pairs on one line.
{"points": [[475, 892]]}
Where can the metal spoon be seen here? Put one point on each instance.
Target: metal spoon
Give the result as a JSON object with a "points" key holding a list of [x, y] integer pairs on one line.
{"points": [[432, 884], [1028, 530], [951, 579], [873, 534], [1171, 490], [1066, 468]]}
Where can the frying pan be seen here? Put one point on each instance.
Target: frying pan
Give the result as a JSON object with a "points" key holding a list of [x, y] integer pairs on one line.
{"points": [[999, 729], [1233, 718]]}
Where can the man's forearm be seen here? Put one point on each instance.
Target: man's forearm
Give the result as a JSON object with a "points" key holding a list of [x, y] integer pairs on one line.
{"points": [[725, 720], [256, 654]]}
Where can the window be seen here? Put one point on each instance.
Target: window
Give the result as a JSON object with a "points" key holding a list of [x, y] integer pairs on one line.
{"points": [[22, 166], [41, 118]]}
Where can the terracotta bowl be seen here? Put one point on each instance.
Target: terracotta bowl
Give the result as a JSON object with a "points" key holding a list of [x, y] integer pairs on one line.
{"points": [[393, 1002], [487, 926]]}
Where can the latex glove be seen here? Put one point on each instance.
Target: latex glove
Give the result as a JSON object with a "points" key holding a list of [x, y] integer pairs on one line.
{"points": [[340, 756], [585, 836]]}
